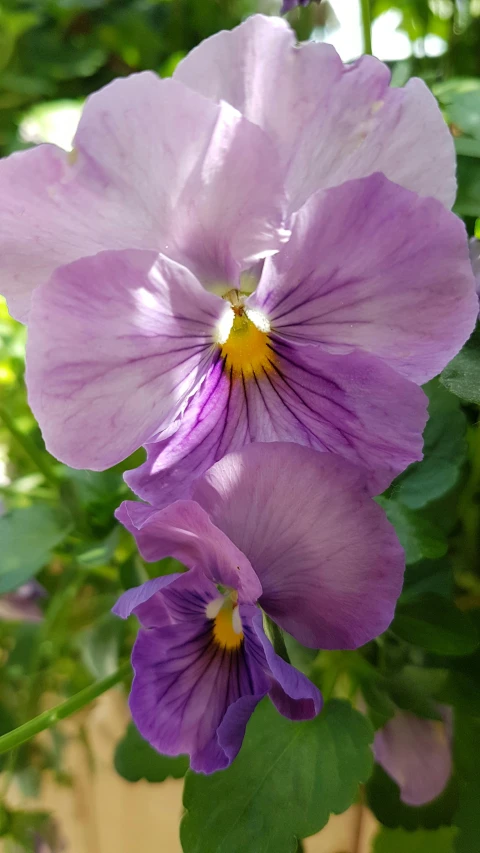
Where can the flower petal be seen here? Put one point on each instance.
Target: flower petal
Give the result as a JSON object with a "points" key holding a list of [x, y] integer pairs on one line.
{"points": [[116, 343], [183, 530], [372, 266], [292, 693], [417, 754], [331, 122], [352, 405], [146, 602], [155, 166], [330, 564]]}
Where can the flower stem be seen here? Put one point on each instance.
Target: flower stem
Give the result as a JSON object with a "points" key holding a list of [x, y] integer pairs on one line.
{"points": [[29, 448], [366, 26], [65, 709]]}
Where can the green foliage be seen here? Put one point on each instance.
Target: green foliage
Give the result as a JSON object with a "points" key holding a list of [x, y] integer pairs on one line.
{"points": [[399, 841], [135, 759], [285, 782], [436, 625], [467, 751], [462, 375], [28, 537]]}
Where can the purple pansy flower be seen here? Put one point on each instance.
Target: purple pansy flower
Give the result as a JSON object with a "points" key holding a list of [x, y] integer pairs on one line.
{"points": [[417, 754], [372, 293], [275, 524]]}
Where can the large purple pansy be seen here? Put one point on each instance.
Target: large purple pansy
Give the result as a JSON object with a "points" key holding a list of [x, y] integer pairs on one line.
{"points": [[191, 294]]}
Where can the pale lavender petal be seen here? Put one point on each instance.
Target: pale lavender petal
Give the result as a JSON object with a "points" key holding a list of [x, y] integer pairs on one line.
{"points": [[21, 604], [329, 562], [155, 166], [330, 121], [292, 693], [371, 266], [116, 343], [352, 405], [417, 754], [183, 530]]}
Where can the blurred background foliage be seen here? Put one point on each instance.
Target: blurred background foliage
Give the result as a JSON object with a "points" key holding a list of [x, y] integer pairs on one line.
{"points": [[59, 542]]}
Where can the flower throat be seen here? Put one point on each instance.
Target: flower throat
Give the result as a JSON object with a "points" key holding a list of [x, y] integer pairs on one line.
{"points": [[246, 349]]}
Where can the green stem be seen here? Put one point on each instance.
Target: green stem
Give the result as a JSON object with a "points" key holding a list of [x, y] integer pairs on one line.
{"points": [[366, 26], [29, 448], [65, 709], [276, 638]]}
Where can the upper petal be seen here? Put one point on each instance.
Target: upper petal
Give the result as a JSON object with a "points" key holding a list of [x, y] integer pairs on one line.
{"points": [[374, 267], [330, 121], [183, 530], [155, 166], [116, 342], [330, 564]]}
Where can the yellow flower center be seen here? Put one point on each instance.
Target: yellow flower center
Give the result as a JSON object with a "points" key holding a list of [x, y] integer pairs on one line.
{"points": [[246, 349], [224, 632]]}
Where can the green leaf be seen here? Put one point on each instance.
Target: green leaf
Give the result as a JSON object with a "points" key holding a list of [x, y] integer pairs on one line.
{"points": [[436, 625], [28, 537], [422, 841], [466, 752], [282, 786], [444, 451], [420, 537], [462, 375], [135, 759]]}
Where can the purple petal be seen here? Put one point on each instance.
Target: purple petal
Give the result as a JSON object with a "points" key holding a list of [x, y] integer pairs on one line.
{"points": [[292, 693], [329, 562], [348, 126], [353, 405], [371, 266], [146, 602], [474, 252], [116, 343], [183, 530], [417, 754], [184, 684], [155, 166]]}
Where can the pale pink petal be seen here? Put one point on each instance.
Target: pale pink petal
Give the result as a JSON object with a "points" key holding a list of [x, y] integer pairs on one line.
{"points": [[330, 122]]}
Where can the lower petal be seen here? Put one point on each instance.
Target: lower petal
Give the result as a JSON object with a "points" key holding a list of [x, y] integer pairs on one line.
{"points": [[352, 405]]}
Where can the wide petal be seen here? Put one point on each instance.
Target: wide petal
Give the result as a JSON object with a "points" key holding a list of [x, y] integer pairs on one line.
{"points": [[183, 530], [330, 121], [155, 166], [183, 687], [116, 343], [417, 754], [329, 562], [353, 405], [374, 267]]}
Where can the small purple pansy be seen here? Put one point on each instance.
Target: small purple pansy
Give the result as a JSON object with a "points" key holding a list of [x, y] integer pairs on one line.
{"points": [[275, 525]]}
